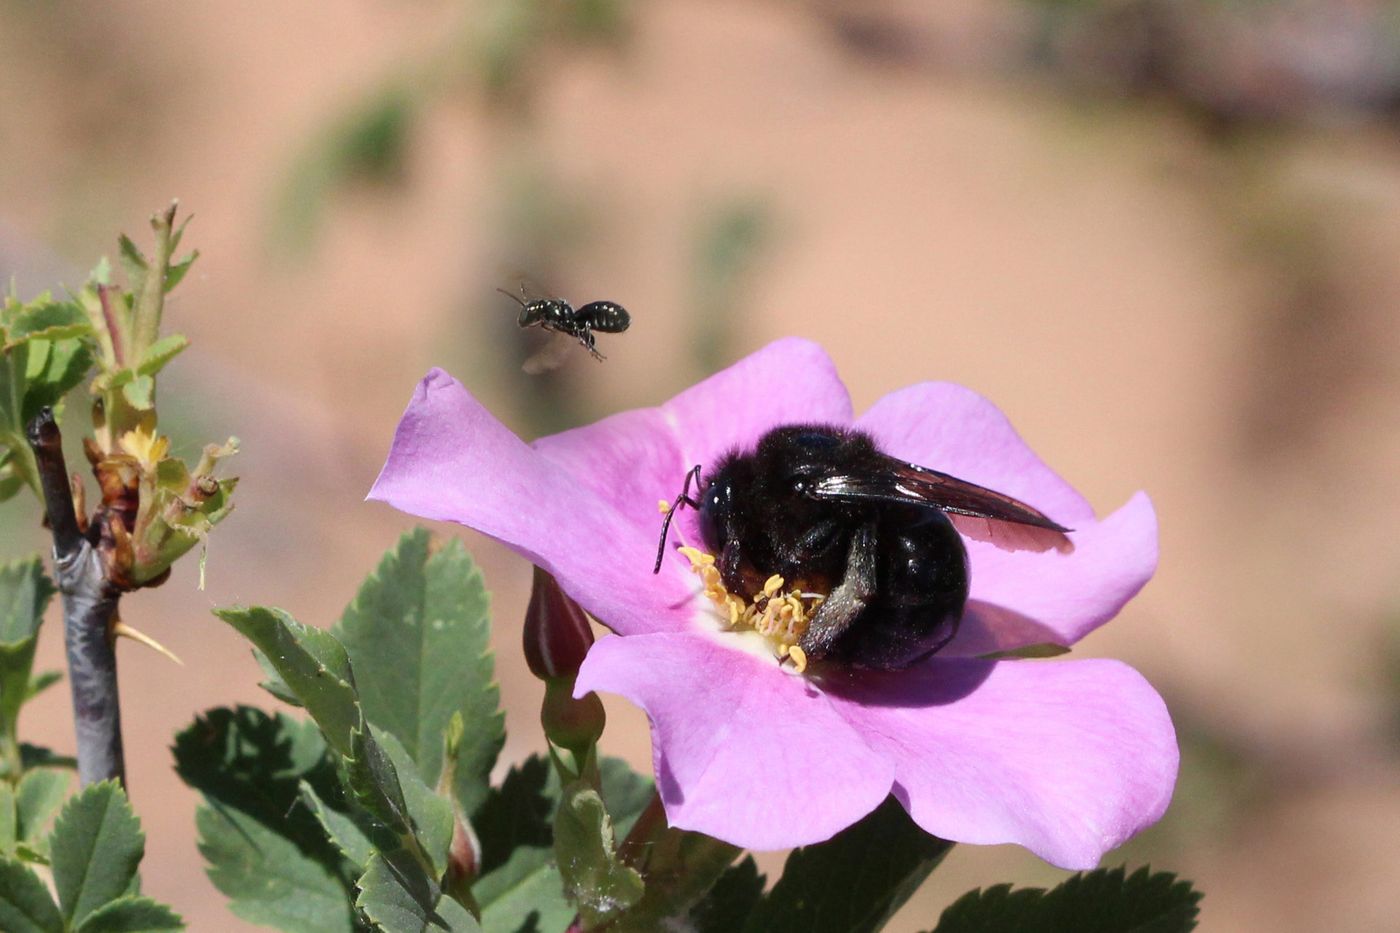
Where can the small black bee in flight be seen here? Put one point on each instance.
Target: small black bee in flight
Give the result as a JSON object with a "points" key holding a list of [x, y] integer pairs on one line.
{"points": [[557, 315], [825, 509]]}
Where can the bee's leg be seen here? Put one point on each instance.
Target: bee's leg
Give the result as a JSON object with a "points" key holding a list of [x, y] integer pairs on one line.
{"points": [[855, 591], [587, 339]]}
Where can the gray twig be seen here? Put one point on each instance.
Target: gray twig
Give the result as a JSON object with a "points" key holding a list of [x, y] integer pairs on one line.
{"points": [[89, 611]]}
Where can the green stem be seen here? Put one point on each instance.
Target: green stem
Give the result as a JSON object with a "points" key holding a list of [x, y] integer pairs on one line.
{"points": [[151, 302]]}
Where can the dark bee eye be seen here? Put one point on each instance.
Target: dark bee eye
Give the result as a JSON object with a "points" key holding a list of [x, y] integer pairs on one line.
{"points": [[714, 511]]}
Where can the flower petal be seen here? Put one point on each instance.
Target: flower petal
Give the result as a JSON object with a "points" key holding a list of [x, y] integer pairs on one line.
{"points": [[634, 459], [451, 460], [743, 751], [630, 461], [1019, 597], [790, 381], [1067, 758], [950, 428]]}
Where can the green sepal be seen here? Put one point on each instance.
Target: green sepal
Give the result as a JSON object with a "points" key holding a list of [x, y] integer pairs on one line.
{"points": [[519, 878], [594, 878]]}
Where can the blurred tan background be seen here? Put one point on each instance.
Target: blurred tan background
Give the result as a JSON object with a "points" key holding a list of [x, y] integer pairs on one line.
{"points": [[1162, 236]]}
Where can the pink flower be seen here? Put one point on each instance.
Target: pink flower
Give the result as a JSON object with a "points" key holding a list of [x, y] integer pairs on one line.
{"points": [[1068, 758]]}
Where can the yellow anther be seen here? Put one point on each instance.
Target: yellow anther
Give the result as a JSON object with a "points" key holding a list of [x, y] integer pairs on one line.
{"points": [[664, 506], [781, 617]]}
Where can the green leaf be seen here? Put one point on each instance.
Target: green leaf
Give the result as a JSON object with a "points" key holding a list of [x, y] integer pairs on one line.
{"points": [[268, 879], [9, 820], [140, 393], [518, 813], [312, 664], [134, 264], [731, 901], [41, 682], [161, 352], [175, 273], [37, 799], [856, 881], [1103, 901], [273, 684], [96, 845], [132, 915], [266, 851], [430, 816], [48, 321], [593, 876], [398, 898], [524, 894], [37, 756], [344, 832], [25, 904], [25, 591], [64, 366], [418, 634]]}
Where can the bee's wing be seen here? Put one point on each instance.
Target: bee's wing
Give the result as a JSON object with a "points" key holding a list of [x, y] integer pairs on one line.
{"points": [[549, 356], [519, 282], [979, 513]]}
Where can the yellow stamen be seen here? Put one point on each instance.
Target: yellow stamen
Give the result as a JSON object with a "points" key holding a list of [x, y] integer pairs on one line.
{"points": [[145, 446], [664, 506], [779, 616]]}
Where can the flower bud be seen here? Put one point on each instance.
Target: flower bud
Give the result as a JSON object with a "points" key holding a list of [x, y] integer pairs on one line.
{"points": [[557, 634]]}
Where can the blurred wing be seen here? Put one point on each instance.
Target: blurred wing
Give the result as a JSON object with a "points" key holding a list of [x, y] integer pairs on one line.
{"points": [[518, 282], [979, 513], [548, 357]]}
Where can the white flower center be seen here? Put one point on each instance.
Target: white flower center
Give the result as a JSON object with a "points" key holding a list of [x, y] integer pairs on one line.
{"points": [[779, 616]]}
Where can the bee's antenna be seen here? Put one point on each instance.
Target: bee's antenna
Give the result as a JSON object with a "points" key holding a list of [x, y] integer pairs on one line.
{"points": [[512, 296], [682, 499]]}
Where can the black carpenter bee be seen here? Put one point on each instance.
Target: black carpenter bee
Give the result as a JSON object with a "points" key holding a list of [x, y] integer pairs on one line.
{"points": [[557, 315], [828, 511]]}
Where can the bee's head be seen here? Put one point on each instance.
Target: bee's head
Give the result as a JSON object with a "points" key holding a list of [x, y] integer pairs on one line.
{"points": [[533, 312], [717, 508]]}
